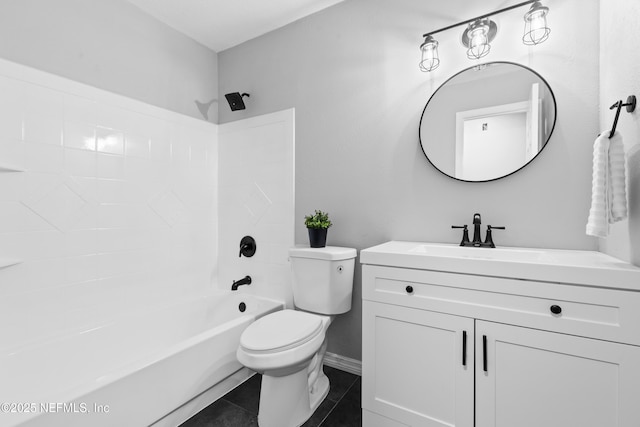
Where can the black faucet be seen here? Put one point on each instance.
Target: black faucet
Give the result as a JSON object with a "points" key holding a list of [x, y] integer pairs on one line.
{"points": [[476, 230], [477, 241], [246, 280]]}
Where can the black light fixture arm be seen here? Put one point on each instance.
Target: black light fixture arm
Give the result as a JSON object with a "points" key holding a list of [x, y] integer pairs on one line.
{"points": [[486, 15]]}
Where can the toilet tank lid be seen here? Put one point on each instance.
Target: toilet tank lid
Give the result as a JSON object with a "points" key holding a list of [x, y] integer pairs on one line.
{"points": [[331, 253]]}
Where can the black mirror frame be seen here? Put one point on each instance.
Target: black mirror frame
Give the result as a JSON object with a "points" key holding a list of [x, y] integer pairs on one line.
{"points": [[555, 118]]}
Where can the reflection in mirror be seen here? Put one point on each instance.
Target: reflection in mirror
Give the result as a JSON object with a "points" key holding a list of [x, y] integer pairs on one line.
{"points": [[487, 121]]}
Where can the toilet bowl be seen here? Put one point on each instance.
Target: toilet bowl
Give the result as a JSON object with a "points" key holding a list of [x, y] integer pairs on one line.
{"points": [[299, 337], [288, 347], [293, 384]]}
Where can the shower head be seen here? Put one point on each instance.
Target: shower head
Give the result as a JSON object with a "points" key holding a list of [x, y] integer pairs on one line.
{"points": [[235, 100]]}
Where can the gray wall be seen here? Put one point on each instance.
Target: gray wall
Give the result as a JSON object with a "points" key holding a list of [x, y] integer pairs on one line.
{"points": [[620, 68], [351, 72], [112, 45]]}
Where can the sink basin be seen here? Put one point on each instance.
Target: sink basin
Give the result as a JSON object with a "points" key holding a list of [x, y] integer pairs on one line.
{"points": [[512, 254], [547, 265]]}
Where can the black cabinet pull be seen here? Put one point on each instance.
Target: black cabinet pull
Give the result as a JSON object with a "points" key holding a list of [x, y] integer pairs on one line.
{"points": [[484, 353], [409, 289], [556, 309], [464, 348]]}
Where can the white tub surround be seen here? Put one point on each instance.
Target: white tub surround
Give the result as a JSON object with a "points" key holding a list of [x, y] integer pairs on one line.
{"points": [[115, 212], [113, 308], [8, 262], [9, 168], [110, 204], [256, 198], [459, 336]]}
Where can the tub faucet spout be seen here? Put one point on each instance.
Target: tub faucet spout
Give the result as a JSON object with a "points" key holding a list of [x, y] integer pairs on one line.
{"points": [[244, 281]]}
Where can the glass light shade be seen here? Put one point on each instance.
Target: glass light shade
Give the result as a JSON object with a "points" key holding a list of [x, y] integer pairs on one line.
{"points": [[429, 60], [478, 33], [535, 25]]}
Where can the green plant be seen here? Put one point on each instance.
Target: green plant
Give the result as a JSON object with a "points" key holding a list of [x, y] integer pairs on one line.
{"points": [[318, 220]]}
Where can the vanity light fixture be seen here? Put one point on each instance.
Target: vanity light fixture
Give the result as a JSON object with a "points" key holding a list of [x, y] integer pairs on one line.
{"points": [[535, 24], [477, 37], [481, 31], [429, 60]]}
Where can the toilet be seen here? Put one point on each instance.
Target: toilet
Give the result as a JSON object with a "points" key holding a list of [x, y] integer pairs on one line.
{"points": [[287, 347]]}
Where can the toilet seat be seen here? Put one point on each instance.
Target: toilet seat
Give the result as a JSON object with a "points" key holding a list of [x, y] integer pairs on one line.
{"points": [[281, 331], [282, 342]]}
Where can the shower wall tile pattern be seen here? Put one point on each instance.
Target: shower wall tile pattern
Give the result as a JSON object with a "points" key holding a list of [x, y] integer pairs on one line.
{"points": [[115, 208], [256, 198], [257, 203]]}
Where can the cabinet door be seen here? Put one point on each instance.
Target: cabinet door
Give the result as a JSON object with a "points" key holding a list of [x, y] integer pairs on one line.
{"points": [[412, 366], [535, 378]]}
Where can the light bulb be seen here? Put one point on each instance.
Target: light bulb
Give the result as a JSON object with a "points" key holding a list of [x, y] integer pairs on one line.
{"points": [[535, 25], [429, 60], [478, 34]]}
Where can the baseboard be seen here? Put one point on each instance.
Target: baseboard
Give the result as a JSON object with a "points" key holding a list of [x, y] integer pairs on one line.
{"points": [[346, 364]]}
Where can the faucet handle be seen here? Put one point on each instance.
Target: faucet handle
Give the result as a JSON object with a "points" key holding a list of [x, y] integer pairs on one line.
{"points": [[465, 234], [247, 246], [488, 241]]}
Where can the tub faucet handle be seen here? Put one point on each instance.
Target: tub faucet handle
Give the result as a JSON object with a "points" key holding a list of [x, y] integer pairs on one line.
{"points": [[243, 248], [247, 246]]}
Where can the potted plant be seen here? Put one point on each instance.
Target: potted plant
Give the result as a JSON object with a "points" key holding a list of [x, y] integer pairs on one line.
{"points": [[317, 224]]}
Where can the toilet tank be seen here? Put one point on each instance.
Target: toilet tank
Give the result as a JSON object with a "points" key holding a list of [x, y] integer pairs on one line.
{"points": [[322, 278]]}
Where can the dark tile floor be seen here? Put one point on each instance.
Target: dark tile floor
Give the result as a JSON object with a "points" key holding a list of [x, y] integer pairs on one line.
{"points": [[239, 407]]}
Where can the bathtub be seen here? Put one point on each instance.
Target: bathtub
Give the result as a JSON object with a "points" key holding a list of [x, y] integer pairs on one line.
{"points": [[152, 368]]}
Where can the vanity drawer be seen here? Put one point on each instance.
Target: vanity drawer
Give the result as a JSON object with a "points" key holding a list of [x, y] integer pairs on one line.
{"points": [[585, 311]]}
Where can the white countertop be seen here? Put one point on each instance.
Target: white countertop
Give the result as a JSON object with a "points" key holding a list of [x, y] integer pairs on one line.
{"points": [[588, 268]]}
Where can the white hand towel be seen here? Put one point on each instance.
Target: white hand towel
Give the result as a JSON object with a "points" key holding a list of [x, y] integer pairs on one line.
{"points": [[617, 182], [598, 222], [608, 192]]}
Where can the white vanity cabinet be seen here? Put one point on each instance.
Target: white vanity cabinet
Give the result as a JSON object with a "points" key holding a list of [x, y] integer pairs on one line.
{"points": [[444, 348], [539, 378], [412, 366]]}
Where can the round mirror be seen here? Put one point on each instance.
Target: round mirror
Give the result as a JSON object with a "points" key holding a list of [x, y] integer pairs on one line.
{"points": [[487, 121]]}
